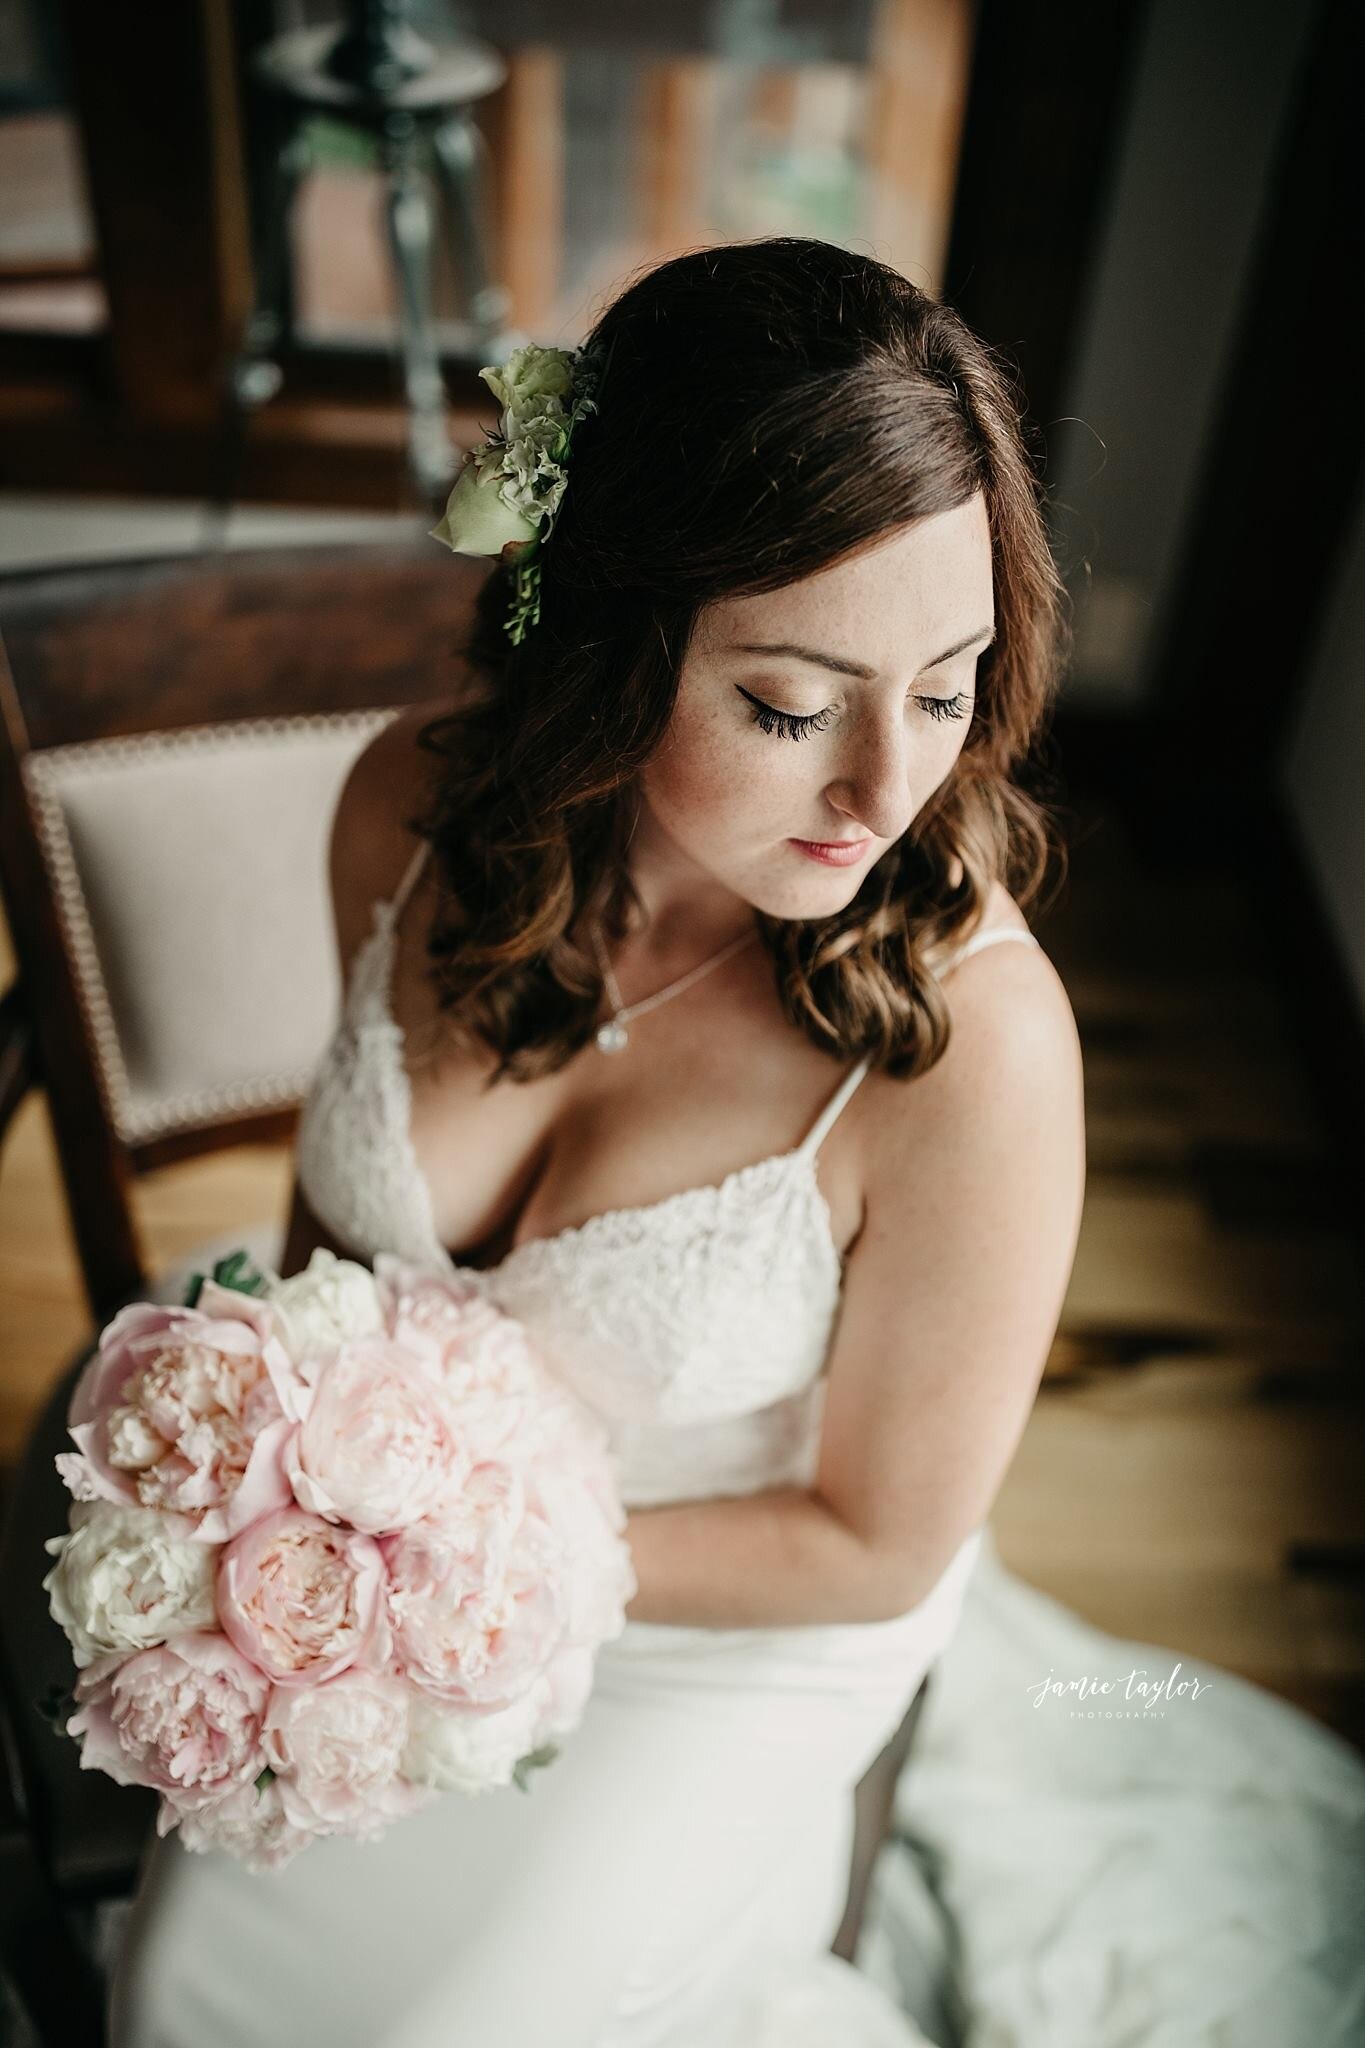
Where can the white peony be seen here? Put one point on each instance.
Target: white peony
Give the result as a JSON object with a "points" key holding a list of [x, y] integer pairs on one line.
{"points": [[466, 1752], [125, 1580], [327, 1304]]}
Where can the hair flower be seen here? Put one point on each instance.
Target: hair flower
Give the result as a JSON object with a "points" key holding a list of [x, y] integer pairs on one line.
{"points": [[506, 497]]}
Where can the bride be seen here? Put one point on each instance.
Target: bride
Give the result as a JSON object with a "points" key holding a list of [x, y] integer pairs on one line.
{"points": [[659, 1020]]}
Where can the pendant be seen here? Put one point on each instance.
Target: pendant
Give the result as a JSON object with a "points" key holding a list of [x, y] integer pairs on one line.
{"points": [[612, 1037]]}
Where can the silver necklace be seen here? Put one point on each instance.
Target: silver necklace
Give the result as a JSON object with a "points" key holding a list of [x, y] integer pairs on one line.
{"points": [[613, 1036]]}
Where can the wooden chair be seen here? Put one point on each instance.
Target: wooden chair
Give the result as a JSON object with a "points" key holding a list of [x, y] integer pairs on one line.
{"points": [[173, 735]]}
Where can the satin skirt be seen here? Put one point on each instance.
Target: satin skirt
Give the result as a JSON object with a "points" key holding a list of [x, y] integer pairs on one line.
{"points": [[672, 1880]]}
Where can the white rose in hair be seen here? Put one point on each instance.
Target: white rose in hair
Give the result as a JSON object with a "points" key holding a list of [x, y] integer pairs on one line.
{"points": [[482, 514], [126, 1579], [327, 1304], [531, 375]]}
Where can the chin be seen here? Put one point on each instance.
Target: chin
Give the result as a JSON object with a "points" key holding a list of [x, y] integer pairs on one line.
{"points": [[827, 890]]}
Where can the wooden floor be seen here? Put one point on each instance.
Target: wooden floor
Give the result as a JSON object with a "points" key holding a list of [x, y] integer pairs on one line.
{"points": [[1190, 1476]]}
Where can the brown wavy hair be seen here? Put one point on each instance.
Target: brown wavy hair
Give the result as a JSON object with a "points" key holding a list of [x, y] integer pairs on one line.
{"points": [[767, 409]]}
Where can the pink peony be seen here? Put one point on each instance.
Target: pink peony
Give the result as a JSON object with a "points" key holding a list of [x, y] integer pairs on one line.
{"points": [[475, 1595], [185, 1410], [506, 1399], [303, 1599], [416, 1552], [184, 1717], [337, 1749], [249, 1823], [379, 1445], [415, 1300], [599, 1574]]}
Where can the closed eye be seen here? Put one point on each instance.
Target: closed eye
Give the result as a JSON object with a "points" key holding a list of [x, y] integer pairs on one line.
{"points": [[786, 723], [956, 706], [789, 726]]}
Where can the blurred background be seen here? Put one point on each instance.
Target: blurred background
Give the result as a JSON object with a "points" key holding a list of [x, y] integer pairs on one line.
{"points": [[252, 255]]}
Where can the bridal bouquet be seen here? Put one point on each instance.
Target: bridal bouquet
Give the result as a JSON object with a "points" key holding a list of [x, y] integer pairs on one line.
{"points": [[338, 1543]]}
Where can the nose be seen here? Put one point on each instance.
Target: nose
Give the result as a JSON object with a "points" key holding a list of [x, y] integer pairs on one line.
{"points": [[874, 789]]}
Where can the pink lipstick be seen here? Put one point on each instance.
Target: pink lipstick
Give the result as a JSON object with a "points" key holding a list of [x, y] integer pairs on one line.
{"points": [[834, 853]]}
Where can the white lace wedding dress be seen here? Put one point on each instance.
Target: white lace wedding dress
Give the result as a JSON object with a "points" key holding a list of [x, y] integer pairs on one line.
{"points": [[674, 1879]]}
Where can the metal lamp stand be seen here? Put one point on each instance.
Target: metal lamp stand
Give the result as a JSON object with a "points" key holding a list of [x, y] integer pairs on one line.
{"points": [[415, 98]]}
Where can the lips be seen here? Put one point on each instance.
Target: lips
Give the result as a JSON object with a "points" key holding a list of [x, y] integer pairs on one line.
{"points": [[840, 853]]}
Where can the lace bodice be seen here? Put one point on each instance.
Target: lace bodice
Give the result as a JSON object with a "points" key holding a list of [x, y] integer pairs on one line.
{"points": [[698, 1325]]}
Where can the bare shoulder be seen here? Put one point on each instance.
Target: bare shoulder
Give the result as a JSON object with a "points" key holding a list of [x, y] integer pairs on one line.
{"points": [[371, 843], [974, 1182], [1001, 911], [1012, 1069]]}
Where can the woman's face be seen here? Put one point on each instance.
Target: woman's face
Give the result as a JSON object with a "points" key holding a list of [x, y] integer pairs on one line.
{"points": [[768, 746]]}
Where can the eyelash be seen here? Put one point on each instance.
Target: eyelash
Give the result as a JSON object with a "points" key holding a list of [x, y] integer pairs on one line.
{"points": [[790, 727]]}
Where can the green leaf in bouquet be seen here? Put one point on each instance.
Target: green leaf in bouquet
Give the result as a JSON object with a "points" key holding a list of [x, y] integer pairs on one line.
{"points": [[535, 1759], [236, 1271], [239, 1271], [266, 1777]]}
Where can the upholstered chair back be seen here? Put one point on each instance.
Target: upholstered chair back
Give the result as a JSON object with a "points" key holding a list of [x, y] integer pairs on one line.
{"points": [[174, 737]]}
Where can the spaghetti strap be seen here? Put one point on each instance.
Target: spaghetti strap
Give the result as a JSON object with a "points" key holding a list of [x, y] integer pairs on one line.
{"points": [[818, 1131], [815, 1137], [980, 939], [409, 881]]}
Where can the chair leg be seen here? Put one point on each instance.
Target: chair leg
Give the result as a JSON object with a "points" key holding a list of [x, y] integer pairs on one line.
{"points": [[57, 1986], [67, 1837], [873, 1802]]}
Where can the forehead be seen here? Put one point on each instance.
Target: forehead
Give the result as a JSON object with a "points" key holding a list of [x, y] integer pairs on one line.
{"points": [[906, 598]]}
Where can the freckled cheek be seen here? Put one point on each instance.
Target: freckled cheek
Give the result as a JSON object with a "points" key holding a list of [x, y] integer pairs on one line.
{"points": [[694, 783], [707, 777]]}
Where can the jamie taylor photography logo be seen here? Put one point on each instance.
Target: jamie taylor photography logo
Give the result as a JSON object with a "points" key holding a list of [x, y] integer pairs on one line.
{"points": [[1138, 1697]]}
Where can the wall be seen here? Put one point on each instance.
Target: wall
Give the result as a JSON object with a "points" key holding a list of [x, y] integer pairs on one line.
{"points": [[1322, 772], [1213, 85]]}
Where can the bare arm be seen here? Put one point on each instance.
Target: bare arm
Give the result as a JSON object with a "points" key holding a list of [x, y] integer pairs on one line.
{"points": [[770, 1559], [951, 1300]]}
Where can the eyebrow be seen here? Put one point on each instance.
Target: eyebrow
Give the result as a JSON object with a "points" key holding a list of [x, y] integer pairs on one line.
{"points": [[841, 667]]}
